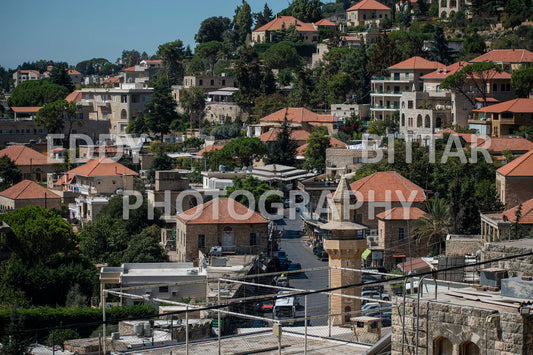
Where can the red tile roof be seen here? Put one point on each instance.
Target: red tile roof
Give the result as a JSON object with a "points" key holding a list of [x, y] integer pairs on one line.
{"points": [[469, 138], [369, 5], [443, 71], [26, 109], [416, 63], [386, 186], [73, 72], [527, 213], [333, 142], [221, 211], [515, 106], [112, 80], [325, 22], [129, 69], [210, 148], [488, 99], [74, 96], [413, 265], [296, 134], [501, 144], [23, 155], [284, 22], [350, 38], [24, 71], [153, 61], [401, 213], [506, 56], [27, 189], [297, 114], [102, 167], [521, 166]]}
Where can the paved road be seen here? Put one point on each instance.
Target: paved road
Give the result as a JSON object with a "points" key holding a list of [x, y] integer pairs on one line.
{"points": [[298, 252]]}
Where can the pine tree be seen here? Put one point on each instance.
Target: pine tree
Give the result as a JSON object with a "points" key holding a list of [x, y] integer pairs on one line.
{"points": [[161, 110], [243, 21], [439, 50], [283, 150]]}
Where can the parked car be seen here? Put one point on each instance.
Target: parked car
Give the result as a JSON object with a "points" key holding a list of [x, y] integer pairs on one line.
{"points": [[386, 317], [266, 306], [323, 256], [295, 267], [370, 306], [317, 249], [375, 295], [365, 278], [378, 288], [282, 281]]}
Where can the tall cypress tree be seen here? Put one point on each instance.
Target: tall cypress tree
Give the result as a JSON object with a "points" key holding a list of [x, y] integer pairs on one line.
{"points": [[439, 50]]}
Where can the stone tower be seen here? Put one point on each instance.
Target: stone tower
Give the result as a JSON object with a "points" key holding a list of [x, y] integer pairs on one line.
{"points": [[344, 244]]}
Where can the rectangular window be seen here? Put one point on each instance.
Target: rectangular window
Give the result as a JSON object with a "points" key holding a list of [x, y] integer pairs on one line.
{"points": [[401, 233], [163, 289], [201, 82], [201, 241], [212, 83], [494, 87], [124, 99], [254, 239]]}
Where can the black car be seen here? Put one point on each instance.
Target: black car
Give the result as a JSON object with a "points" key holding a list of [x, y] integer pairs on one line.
{"points": [[317, 249], [323, 256]]}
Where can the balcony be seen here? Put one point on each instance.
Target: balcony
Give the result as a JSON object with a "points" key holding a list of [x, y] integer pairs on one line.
{"points": [[103, 103], [387, 92], [384, 108]]}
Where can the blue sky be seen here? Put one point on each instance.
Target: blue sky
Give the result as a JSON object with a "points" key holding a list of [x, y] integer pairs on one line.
{"points": [[72, 30]]}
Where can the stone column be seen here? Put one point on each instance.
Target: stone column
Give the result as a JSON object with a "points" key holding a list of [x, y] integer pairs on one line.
{"points": [[346, 254]]}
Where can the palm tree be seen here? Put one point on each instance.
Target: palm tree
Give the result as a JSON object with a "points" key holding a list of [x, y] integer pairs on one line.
{"points": [[433, 226]]}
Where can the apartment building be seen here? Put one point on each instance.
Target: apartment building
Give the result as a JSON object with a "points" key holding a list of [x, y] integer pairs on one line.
{"points": [[405, 76], [510, 60], [367, 11], [21, 76], [119, 105], [503, 119]]}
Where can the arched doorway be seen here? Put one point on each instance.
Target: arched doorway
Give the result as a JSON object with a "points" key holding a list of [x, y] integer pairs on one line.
{"points": [[469, 348], [442, 346]]}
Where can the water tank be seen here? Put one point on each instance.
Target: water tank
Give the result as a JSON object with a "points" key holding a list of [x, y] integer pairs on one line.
{"points": [[147, 330], [138, 329]]}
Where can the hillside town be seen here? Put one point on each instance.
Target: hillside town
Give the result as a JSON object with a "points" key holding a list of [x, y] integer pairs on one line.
{"points": [[345, 176]]}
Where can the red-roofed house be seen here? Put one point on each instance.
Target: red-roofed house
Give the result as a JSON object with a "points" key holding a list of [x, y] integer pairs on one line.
{"points": [[500, 226], [21, 76], [209, 148], [220, 222], [514, 180], [74, 96], [25, 113], [298, 118], [333, 143], [394, 241], [383, 191], [98, 177], [32, 164], [404, 77], [504, 118], [509, 59], [28, 193], [266, 33], [367, 11], [75, 76], [325, 24], [298, 135], [152, 63]]}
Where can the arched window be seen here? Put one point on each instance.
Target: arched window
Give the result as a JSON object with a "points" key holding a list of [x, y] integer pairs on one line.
{"points": [[123, 115], [427, 122], [403, 120], [419, 121], [468, 348], [442, 346]]}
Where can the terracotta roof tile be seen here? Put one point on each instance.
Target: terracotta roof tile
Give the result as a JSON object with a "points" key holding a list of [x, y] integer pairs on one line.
{"points": [[521, 166], [296, 134], [501, 144], [74, 96], [284, 22], [27, 189], [414, 265], [26, 109], [297, 114], [368, 5], [444, 71], [387, 182], [102, 167], [527, 213], [416, 63], [23, 155], [210, 148], [129, 69], [73, 72], [219, 211], [506, 56], [515, 106], [27, 71], [325, 22], [401, 213], [333, 142]]}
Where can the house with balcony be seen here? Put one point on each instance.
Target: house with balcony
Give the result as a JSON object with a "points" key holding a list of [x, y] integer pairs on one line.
{"points": [[119, 106], [308, 32], [75, 76], [220, 222], [367, 11], [503, 119], [510, 60], [448, 8], [405, 76], [297, 118]]}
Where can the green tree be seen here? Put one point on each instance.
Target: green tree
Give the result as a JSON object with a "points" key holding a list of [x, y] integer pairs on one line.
{"points": [[243, 21], [315, 152], [257, 188], [522, 82], [193, 102], [477, 75], [264, 17], [160, 162], [59, 76], [160, 112], [17, 343], [305, 10], [301, 94], [137, 125], [282, 55], [439, 50], [36, 234], [267, 104], [283, 149], [474, 45], [245, 149], [211, 52], [172, 55], [59, 336], [59, 117], [212, 28], [36, 93], [130, 57], [9, 172], [248, 77], [433, 227], [145, 248], [383, 55]]}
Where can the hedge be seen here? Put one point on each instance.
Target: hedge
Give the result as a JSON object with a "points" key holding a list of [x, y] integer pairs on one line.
{"points": [[48, 317]]}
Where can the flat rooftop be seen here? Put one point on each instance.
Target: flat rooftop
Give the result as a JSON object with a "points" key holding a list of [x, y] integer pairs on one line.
{"points": [[518, 243]]}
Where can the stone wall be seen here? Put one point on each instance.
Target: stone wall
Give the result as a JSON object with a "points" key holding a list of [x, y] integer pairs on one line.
{"points": [[463, 246], [492, 332], [511, 189], [515, 267]]}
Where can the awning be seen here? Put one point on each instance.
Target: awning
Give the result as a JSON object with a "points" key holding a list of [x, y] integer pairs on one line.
{"points": [[399, 255]]}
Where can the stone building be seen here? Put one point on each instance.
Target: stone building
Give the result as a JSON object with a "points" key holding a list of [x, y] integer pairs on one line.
{"points": [[28, 193], [514, 180], [503, 119], [509, 60], [297, 118], [514, 267], [463, 321], [220, 222], [502, 226], [448, 8], [32, 164], [367, 11], [308, 31], [344, 244], [346, 160], [394, 241]]}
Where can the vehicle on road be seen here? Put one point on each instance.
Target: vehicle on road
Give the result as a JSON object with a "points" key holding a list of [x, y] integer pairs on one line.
{"points": [[323, 256], [295, 267], [370, 306], [285, 310], [317, 249], [378, 288], [266, 306], [376, 295], [282, 281]]}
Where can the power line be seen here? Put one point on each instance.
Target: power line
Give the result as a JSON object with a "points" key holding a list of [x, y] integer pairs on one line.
{"points": [[305, 293]]}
